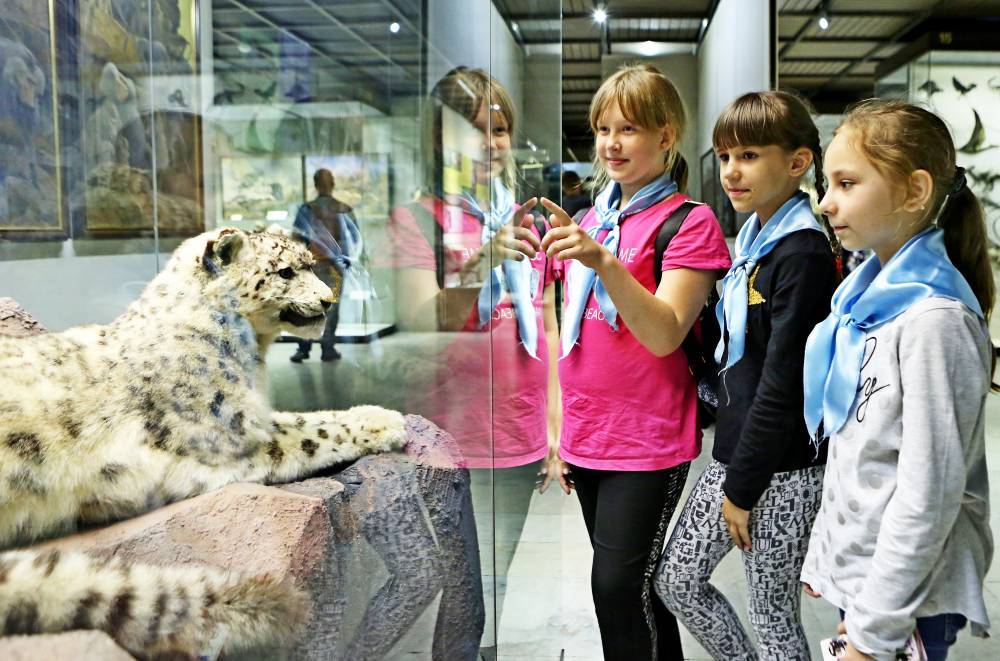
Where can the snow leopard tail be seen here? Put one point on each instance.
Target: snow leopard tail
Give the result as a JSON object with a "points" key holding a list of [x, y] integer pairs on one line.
{"points": [[147, 610]]}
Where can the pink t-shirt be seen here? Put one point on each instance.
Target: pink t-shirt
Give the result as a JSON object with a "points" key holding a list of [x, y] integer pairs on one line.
{"points": [[625, 409], [486, 390]]}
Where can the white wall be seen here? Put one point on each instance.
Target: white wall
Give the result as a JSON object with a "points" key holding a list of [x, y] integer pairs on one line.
{"points": [[734, 58], [472, 33]]}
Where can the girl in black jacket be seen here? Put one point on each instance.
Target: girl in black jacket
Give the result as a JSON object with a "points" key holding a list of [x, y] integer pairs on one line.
{"points": [[762, 491]]}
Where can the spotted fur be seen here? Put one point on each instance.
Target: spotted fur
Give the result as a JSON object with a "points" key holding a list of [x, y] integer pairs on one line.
{"points": [[168, 401]]}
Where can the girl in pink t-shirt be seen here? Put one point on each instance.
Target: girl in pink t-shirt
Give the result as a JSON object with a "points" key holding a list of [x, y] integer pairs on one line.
{"points": [[630, 426]]}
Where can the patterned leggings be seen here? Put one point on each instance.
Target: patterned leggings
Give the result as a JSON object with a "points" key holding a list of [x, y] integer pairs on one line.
{"points": [[779, 531]]}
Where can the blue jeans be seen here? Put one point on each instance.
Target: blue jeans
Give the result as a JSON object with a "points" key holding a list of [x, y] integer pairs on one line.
{"points": [[938, 633]]}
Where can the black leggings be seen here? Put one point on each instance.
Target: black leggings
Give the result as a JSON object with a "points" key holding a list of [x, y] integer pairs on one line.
{"points": [[627, 515]]}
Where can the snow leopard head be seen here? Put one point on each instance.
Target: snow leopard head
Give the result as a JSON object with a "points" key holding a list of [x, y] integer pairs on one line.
{"points": [[271, 275]]}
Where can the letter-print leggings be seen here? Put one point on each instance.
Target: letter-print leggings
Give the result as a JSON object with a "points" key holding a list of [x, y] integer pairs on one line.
{"points": [[779, 531]]}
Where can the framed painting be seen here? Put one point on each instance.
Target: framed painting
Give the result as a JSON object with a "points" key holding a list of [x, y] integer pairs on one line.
{"points": [[261, 189], [361, 180], [30, 167], [141, 132]]}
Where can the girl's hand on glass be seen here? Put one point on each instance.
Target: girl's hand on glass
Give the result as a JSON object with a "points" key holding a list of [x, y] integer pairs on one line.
{"points": [[738, 523], [566, 240], [554, 469], [515, 240]]}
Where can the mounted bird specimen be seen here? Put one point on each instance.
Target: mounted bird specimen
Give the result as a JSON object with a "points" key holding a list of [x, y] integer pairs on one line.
{"points": [[961, 88]]}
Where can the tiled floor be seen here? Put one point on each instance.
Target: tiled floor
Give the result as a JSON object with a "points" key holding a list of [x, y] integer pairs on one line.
{"points": [[547, 612]]}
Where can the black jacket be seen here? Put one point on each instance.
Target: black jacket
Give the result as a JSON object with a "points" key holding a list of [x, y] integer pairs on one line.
{"points": [[760, 429]]}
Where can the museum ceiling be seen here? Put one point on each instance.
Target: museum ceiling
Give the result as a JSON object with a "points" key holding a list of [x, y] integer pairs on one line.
{"points": [[367, 62]]}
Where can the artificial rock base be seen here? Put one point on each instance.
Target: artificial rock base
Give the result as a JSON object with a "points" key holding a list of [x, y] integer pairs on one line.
{"points": [[374, 545]]}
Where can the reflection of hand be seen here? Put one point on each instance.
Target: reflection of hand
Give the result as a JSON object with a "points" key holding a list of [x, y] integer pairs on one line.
{"points": [[515, 240], [554, 468], [738, 523], [566, 240]]}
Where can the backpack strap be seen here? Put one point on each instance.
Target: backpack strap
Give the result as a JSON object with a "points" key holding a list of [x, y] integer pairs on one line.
{"points": [[691, 345], [578, 216], [668, 230]]}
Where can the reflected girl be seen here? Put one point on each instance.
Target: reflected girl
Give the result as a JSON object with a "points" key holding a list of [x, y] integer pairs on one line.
{"points": [[466, 259]]}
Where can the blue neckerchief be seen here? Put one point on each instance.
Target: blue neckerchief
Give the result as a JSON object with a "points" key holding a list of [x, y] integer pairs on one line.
{"points": [[518, 277], [869, 297], [580, 280], [753, 243]]}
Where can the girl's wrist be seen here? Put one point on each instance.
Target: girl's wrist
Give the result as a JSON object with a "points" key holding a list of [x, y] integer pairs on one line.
{"points": [[605, 261]]}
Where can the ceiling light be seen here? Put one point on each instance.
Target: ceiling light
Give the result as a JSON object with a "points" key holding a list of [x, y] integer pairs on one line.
{"points": [[514, 26], [394, 27], [704, 24], [824, 15], [600, 15]]}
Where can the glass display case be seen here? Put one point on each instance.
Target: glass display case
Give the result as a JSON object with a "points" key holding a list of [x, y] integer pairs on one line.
{"points": [[399, 130], [961, 87]]}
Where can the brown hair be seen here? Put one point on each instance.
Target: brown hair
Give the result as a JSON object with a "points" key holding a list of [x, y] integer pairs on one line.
{"points": [[774, 118], [465, 90], [899, 138], [646, 98]]}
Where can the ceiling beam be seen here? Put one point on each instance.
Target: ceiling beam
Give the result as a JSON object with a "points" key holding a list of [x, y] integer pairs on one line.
{"points": [[874, 13], [832, 58], [915, 20], [294, 35], [800, 33], [613, 14]]}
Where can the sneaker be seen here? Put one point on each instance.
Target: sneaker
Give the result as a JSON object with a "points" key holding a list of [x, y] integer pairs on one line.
{"points": [[327, 356], [299, 356]]}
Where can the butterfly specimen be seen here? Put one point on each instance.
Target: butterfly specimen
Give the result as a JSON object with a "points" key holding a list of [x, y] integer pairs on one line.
{"points": [[976, 140]]}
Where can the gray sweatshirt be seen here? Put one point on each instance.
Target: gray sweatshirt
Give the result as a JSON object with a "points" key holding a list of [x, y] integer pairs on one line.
{"points": [[903, 531]]}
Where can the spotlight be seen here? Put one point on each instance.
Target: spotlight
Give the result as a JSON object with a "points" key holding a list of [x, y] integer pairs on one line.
{"points": [[515, 27], [394, 27], [824, 16], [600, 15]]}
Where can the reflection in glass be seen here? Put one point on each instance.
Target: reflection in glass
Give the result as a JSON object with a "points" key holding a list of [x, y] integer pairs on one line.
{"points": [[455, 272]]}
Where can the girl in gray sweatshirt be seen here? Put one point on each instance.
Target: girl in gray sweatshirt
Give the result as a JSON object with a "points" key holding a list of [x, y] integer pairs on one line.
{"points": [[897, 378]]}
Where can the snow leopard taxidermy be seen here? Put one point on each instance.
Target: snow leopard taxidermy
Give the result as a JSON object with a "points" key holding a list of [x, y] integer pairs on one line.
{"points": [[168, 401]]}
